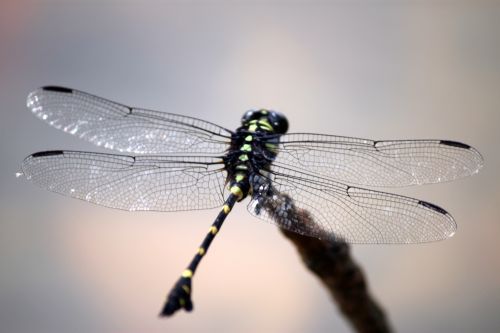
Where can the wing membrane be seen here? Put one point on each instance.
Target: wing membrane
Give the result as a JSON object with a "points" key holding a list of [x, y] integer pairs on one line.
{"points": [[378, 163], [351, 214], [125, 129], [155, 183]]}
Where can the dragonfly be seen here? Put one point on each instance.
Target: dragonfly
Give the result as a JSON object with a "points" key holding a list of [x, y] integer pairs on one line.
{"points": [[169, 162]]}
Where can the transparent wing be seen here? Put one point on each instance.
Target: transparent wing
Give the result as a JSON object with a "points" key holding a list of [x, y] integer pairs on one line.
{"points": [[125, 129], [378, 163], [156, 183], [327, 209]]}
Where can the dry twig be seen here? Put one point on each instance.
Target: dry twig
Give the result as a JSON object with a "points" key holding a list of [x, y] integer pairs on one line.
{"points": [[332, 263]]}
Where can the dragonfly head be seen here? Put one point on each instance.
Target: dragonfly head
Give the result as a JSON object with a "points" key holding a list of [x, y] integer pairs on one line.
{"points": [[277, 121]]}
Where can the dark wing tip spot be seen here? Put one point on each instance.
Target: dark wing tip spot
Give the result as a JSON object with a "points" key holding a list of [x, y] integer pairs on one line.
{"points": [[433, 207], [58, 89], [454, 144], [47, 153]]}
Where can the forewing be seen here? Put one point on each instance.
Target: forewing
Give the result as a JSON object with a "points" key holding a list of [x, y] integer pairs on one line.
{"points": [[378, 163], [125, 129], [151, 183], [330, 210]]}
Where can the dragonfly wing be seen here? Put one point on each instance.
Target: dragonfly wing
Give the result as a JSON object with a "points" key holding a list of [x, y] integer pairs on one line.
{"points": [[151, 183], [330, 210], [378, 163], [123, 128]]}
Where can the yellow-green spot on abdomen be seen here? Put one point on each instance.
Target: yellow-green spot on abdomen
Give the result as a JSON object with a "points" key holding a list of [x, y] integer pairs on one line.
{"points": [[187, 273], [239, 177], [226, 209], [243, 157], [213, 230], [236, 190], [249, 138]]}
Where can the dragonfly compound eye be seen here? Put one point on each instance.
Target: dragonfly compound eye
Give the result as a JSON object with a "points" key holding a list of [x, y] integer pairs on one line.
{"points": [[248, 116], [260, 114], [278, 121]]}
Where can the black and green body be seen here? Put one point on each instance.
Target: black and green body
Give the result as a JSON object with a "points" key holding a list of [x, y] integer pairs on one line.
{"points": [[252, 150]]}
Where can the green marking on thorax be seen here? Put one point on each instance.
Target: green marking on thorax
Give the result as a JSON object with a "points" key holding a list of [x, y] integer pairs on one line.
{"points": [[271, 146], [246, 147], [252, 128]]}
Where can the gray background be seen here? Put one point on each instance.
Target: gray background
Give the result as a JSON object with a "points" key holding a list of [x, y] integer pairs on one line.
{"points": [[379, 70]]}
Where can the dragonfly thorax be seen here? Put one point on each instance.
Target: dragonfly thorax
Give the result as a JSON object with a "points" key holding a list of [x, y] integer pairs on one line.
{"points": [[253, 148]]}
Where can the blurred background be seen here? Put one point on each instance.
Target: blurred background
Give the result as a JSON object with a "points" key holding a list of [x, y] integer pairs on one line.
{"points": [[381, 70]]}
